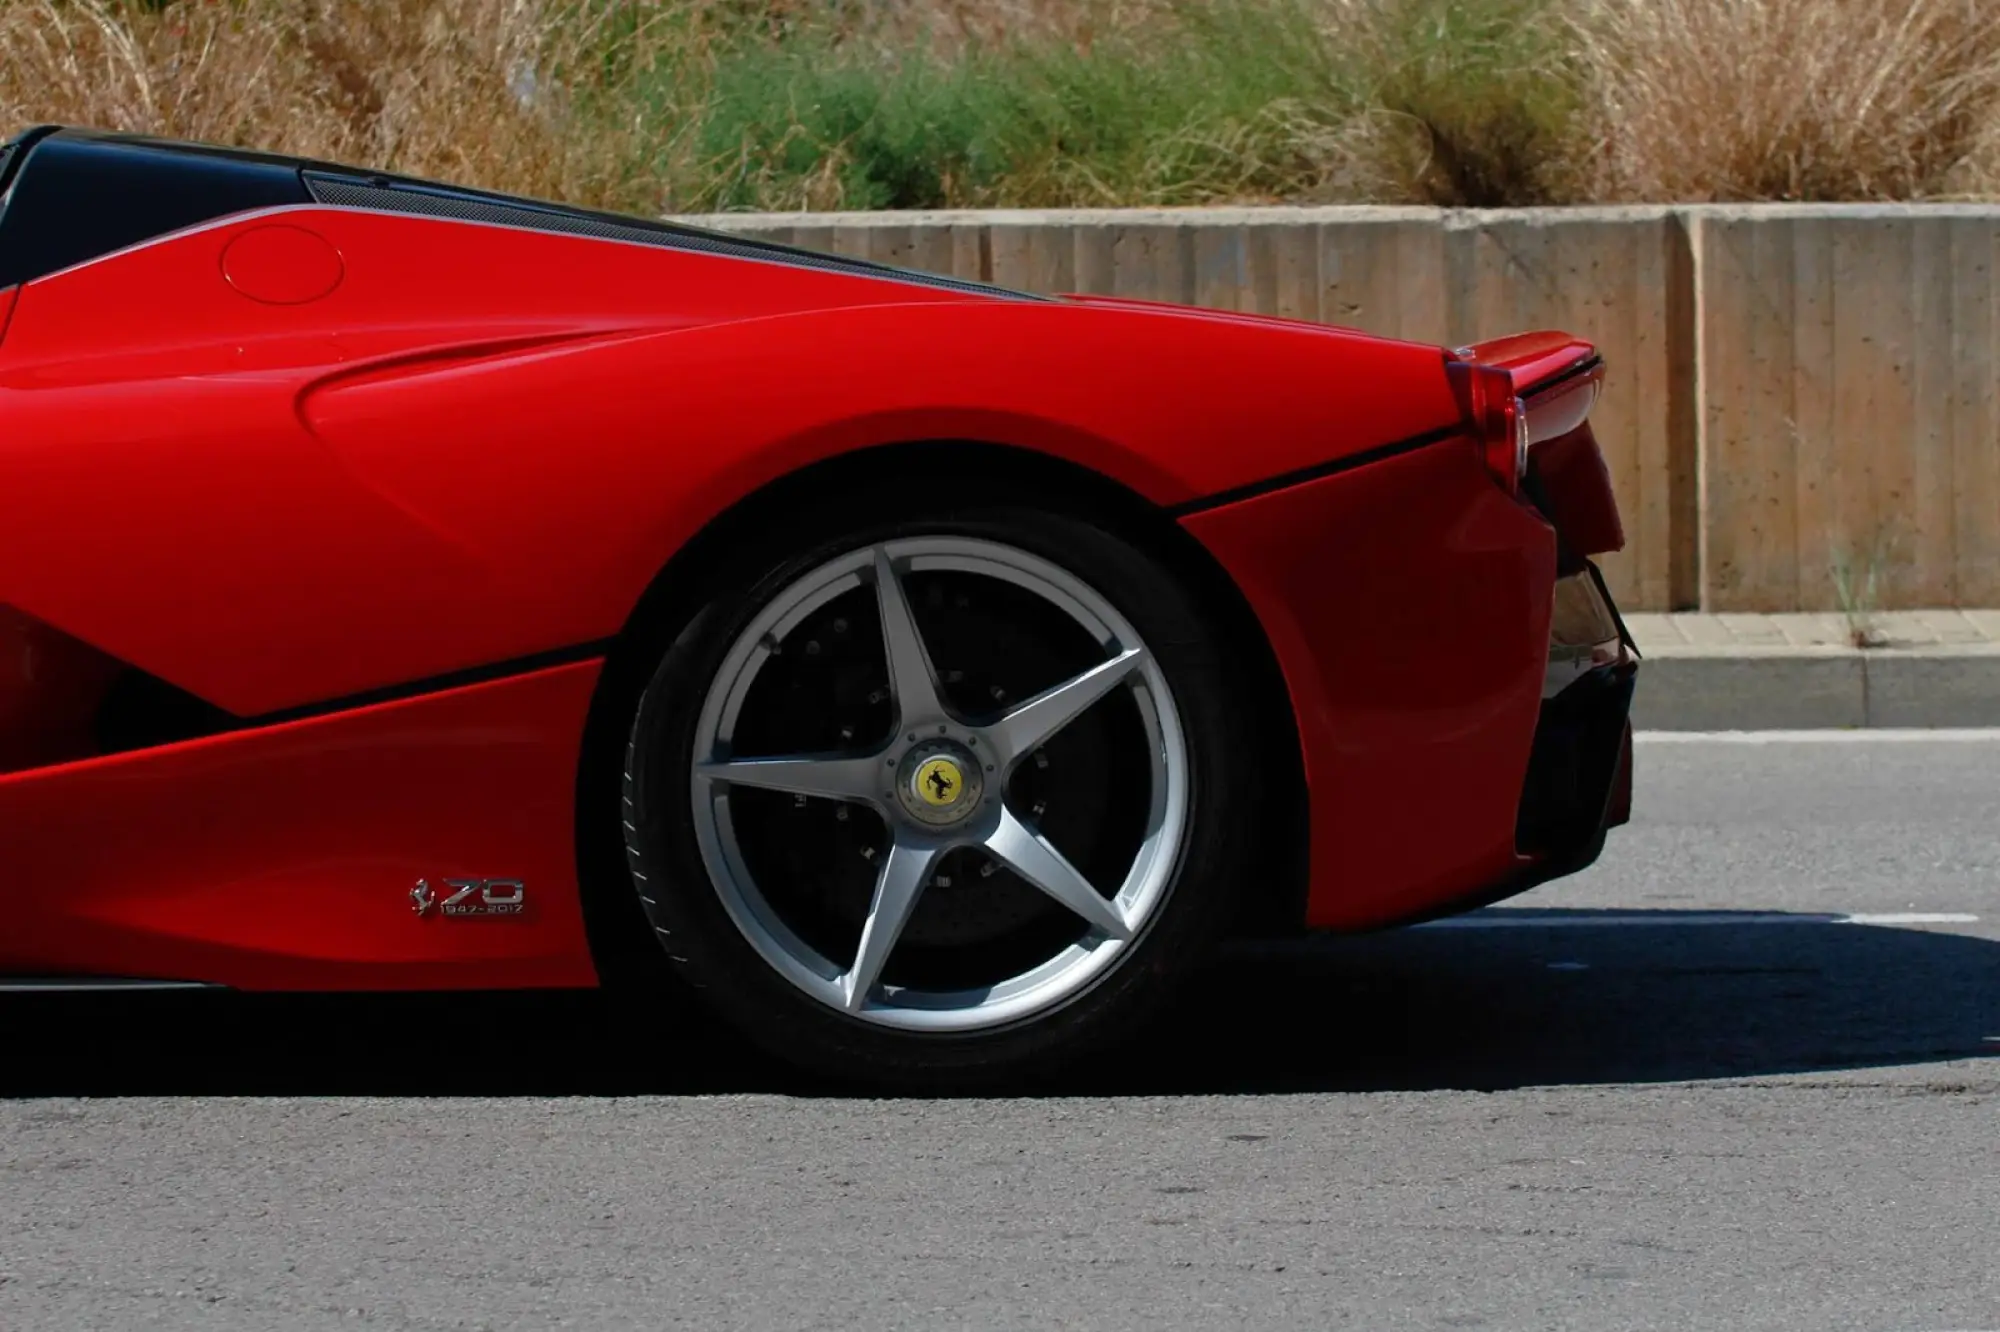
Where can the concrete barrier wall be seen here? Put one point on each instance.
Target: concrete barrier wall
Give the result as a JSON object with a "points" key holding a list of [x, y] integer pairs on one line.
{"points": [[1847, 393], [1792, 390]]}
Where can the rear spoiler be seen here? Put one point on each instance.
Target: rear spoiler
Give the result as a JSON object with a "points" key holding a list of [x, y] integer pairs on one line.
{"points": [[1557, 379]]}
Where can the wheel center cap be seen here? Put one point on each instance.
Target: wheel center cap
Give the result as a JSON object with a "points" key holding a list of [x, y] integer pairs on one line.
{"points": [[939, 783]]}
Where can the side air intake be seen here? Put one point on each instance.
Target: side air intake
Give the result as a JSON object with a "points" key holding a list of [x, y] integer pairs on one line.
{"points": [[62, 700]]}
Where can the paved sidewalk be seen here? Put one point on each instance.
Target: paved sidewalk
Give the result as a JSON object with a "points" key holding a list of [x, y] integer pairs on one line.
{"points": [[1734, 672]]}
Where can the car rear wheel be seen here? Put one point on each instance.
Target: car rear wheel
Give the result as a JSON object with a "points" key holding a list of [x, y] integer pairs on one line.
{"points": [[937, 801]]}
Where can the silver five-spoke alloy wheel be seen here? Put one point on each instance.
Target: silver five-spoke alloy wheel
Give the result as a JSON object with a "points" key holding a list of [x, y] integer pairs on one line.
{"points": [[939, 783]]}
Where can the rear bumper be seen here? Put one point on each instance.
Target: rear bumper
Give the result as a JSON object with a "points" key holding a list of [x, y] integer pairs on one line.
{"points": [[1579, 786], [1579, 779], [1579, 782]]}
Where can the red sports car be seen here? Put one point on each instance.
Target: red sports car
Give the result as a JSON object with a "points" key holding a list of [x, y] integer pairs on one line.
{"points": [[403, 586]]}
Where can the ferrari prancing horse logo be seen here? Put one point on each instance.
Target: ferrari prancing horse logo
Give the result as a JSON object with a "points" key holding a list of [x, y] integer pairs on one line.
{"points": [[939, 782]]}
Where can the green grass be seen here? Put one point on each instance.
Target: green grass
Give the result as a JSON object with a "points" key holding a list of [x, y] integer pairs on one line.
{"points": [[1494, 92], [1449, 101]]}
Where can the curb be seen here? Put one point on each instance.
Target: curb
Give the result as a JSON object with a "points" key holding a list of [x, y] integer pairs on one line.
{"points": [[1746, 688]]}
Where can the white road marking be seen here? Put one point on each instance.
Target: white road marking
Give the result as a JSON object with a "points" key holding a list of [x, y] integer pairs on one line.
{"points": [[1523, 920], [1912, 918], [1870, 734]]}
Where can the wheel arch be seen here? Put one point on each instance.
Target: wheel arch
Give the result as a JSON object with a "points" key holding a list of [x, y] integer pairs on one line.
{"points": [[616, 926]]}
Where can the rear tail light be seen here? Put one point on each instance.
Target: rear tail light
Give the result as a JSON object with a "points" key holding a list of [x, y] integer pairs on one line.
{"points": [[1551, 460], [1496, 418]]}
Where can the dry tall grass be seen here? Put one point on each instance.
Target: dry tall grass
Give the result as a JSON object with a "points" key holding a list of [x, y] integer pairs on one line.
{"points": [[627, 103], [438, 87], [1791, 99]]}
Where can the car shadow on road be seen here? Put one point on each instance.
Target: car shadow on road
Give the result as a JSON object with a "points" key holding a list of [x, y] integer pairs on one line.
{"points": [[1539, 998]]}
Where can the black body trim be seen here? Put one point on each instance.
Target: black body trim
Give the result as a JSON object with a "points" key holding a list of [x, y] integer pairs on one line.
{"points": [[1284, 480], [14, 152], [96, 985], [1579, 739], [433, 684], [1581, 368], [142, 711], [77, 196], [73, 195]]}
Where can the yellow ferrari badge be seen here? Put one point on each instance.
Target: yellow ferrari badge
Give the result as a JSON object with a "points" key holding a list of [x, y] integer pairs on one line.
{"points": [[939, 782]]}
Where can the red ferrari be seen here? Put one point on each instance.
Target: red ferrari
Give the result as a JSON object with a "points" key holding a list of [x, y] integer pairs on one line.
{"points": [[408, 587]]}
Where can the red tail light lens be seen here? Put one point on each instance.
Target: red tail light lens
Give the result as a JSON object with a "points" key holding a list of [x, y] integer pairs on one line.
{"points": [[1496, 418]]}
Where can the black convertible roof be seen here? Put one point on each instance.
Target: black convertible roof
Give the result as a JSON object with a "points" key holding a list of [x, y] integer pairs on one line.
{"points": [[72, 195]]}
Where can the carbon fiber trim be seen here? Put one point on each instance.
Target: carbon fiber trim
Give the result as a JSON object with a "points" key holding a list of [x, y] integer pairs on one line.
{"points": [[497, 210]]}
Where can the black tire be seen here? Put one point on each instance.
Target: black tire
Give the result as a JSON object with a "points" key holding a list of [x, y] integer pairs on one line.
{"points": [[707, 949]]}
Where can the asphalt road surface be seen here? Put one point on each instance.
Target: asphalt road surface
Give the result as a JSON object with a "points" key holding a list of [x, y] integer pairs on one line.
{"points": [[1744, 1074]]}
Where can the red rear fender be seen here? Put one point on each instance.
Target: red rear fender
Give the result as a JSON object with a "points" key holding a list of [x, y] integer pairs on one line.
{"points": [[432, 479]]}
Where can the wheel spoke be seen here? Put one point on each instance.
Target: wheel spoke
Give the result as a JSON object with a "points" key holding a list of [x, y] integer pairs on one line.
{"points": [[904, 871], [911, 679], [1031, 856], [989, 978], [1029, 726], [835, 776]]}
